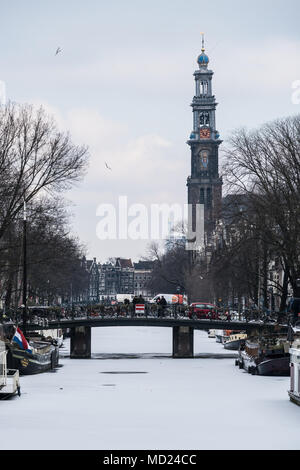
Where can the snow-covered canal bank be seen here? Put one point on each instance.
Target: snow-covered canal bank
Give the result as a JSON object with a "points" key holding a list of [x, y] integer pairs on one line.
{"points": [[145, 402]]}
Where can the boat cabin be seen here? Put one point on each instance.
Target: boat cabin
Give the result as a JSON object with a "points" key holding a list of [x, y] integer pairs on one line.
{"points": [[9, 378], [294, 392], [2, 360]]}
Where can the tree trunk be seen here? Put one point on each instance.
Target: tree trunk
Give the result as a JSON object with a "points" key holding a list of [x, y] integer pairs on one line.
{"points": [[284, 294]]}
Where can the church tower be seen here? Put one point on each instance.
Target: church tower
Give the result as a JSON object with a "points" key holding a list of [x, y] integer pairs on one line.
{"points": [[204, 184]]}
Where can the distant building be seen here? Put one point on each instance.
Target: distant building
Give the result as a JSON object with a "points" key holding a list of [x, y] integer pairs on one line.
{"points": [[126, 276], [142, 277], [116, 277], [108, 280], [93, 269]]}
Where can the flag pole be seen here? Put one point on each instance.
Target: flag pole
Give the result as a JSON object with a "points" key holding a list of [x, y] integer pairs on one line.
{"points": [[24, 270]]}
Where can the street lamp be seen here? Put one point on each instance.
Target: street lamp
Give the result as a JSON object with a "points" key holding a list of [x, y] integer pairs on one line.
{"points": [[24, 293]]}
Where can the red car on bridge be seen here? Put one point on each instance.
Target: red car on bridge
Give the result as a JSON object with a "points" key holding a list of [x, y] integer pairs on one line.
{"points": [[203, 310]]}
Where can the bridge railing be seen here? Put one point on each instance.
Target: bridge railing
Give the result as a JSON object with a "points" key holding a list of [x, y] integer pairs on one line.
{"points": [[123, 310], [151, 310]]}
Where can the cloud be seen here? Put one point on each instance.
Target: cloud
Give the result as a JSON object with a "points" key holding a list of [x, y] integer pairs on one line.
{"points": [[147, 160], [146, 168], [261, 67], [265, 64]]}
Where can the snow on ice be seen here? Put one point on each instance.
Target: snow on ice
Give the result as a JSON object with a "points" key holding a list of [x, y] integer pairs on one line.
{"points": [[141, 398]]}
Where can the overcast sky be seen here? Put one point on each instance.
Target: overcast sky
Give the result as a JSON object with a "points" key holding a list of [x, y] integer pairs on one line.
{"points": [[123, 85]]}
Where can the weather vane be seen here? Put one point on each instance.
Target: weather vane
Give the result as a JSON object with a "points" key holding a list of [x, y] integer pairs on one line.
{"points": [[203, 49]]}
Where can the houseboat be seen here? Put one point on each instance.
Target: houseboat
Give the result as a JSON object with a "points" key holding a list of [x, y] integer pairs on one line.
{"points": [[9, 378], [266, 355], [222, 335], [234, 341], [294, 392], [32, 356]]}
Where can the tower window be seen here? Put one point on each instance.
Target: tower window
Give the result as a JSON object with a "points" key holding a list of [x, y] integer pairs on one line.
{"points": [[204, 119], [201, 196], [203, 88], [208, 196]]}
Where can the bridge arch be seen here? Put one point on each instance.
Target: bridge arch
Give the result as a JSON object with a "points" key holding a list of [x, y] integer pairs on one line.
{"points": [[182, 341]]}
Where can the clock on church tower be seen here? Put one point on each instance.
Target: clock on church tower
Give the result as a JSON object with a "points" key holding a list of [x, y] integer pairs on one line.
{"points": [[205, 184], [204, 133]]}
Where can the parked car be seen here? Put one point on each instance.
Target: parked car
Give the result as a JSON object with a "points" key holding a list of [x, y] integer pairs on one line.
{"points": [[199, 310]]}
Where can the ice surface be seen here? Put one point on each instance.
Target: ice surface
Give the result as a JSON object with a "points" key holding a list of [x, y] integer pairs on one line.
{"points": [[178, 404]]}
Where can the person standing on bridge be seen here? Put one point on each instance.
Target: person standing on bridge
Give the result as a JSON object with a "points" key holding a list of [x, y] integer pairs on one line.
{"points": [[126, 306], [158, 307], [162, 306], [134, 302]]}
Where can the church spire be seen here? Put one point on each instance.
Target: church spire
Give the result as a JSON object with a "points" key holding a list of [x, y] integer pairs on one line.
{"points": [[203, 59], [203, 48]]}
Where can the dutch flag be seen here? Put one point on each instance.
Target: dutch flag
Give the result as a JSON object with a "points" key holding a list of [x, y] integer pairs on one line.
{"points": [[20, 339]]}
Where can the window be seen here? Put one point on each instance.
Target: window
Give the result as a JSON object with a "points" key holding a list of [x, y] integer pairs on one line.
{"points": [[204, 119], [208, 194], [201, 196], [203, 88]]}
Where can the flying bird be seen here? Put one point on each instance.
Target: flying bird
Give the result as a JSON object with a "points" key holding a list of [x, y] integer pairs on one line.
{"points": [[58, 50], [107, 166]]}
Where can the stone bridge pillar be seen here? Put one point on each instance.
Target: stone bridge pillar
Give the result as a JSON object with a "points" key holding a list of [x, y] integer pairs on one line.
{"points": [[80, 347], [183, 341]]}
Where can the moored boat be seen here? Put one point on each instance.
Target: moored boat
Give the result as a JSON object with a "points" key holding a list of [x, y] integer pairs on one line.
{"points": [[9, 378], [294, 392], [234, 341], [44, 357], [31, 357], [266, 355], [223, 335]]}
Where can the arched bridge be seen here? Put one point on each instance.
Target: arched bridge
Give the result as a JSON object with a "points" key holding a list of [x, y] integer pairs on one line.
{"points": [[183, 330]]}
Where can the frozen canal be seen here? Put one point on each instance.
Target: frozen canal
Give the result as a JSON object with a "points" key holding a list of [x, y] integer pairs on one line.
{"points": [[137, 401]]}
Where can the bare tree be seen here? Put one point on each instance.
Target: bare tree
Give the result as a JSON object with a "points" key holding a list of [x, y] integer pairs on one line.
{"points": [[265, 165], [35, 157], [54, 256]]}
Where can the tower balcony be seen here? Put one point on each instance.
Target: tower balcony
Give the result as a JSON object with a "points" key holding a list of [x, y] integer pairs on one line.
{"points": [[204, 100]]}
